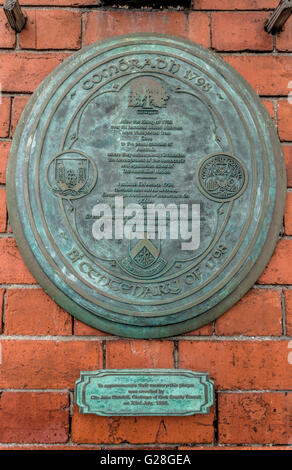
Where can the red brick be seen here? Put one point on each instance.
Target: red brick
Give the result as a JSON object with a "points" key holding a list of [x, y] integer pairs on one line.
{"points": [[232, 5], [285, 120], [279, 271], [5, 105], [270, 107], [33, 312], [142, 430], [47, 364], [4, 152], [133, 354], [258, 313], [140, 447], [48, 447], [1, 307], [223, 447], [24, 71], [284, 39], [287, 151], [19, 103], [64, 27], [81, 329], [239, 31], [288, 214], [7, 34], [34, 417], [268, 75], [288, 307], [58, 3], [239, 365], [13, 269], [260, 418], [3, 211], [198, 29], [205, 330], [105, 23]]}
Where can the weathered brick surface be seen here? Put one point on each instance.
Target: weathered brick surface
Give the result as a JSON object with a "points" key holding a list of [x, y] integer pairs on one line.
{"points": [[81, 329], [279, 270], [143, 430], [51, 29], [24, 71], [19, 103], [32, 312], [285, 119], [4, 152], [133, 354], [34, 417], [1, 308], [205, 330], [13, 268], [288, 305], [35, 364], [7, 35], [103, 24], [268, 75], [269, 104], [240, 448], [232, 5], [49, 447], [5, 108], [239, 365], [3, 211], [288, 214], [258, 313], [58, 3], [284, 39], [260, 418], [238, 31], [287, 152]]}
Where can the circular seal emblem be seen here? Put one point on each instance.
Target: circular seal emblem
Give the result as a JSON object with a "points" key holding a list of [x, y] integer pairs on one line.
{"points": [[222, 177], [146, 186]]}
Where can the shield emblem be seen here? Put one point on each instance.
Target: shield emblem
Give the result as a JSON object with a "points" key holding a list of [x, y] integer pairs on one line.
{"points": [[143, 260], [71, 174], [144, 253]]}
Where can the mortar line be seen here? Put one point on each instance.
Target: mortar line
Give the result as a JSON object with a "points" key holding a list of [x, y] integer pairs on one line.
{"points": [[284, 332], [210, 30], [10, 118], [175, 355], [104, 352], [82, 29], [101, 339], [216, 418], [71, 404], [3, 313], [94, 6]]}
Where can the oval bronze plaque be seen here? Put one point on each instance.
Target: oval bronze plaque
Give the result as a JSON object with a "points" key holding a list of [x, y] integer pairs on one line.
{"points": [[146, 186]]}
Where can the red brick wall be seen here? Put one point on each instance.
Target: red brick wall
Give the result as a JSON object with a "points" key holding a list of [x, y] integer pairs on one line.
{"points": [[43, 348]]}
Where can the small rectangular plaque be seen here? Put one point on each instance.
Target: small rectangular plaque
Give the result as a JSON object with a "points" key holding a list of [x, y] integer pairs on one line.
{"points": [[144, 392]]}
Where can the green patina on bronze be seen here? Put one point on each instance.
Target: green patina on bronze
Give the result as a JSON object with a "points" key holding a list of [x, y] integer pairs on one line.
{"points": [[144, 392], [155, 119]]}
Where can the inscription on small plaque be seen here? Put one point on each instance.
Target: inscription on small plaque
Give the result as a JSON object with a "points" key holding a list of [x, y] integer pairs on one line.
{"points": [[144, 392]]}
